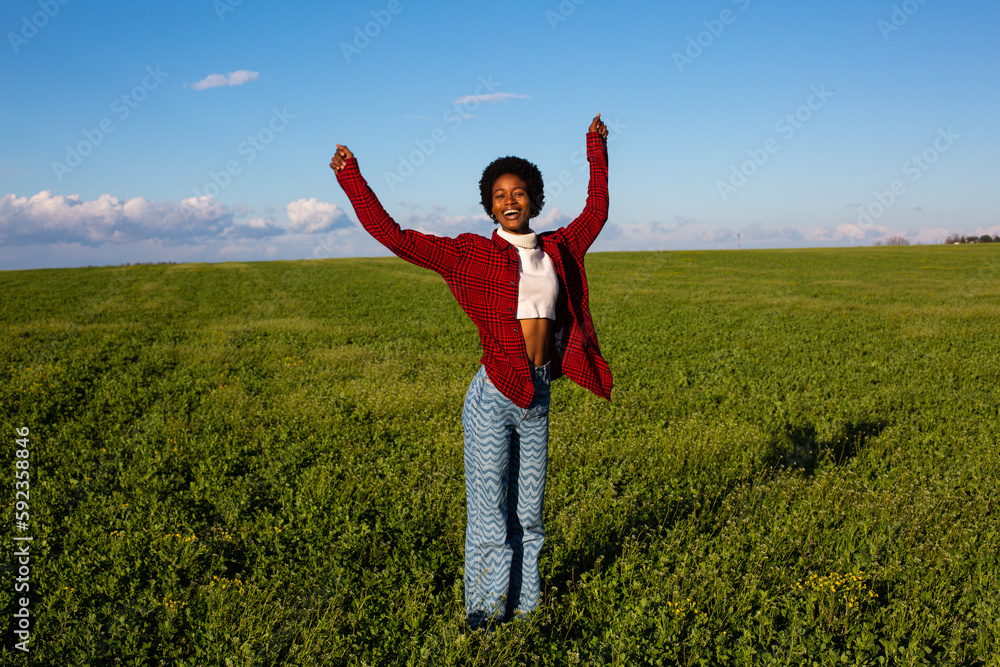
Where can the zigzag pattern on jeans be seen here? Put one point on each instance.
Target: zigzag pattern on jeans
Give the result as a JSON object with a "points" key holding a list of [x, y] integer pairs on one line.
{"points": [[506, 455]]}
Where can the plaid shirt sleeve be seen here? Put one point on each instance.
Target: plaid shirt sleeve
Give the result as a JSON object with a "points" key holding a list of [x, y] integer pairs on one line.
{"points": [[439, 254], [578, 354], [580, 234]]}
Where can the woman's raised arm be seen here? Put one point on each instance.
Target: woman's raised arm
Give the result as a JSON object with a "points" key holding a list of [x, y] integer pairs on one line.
{"points": [[437, 253], [581, 233]]}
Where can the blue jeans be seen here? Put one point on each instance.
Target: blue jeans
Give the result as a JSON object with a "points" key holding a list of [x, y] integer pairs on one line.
{"points": [[506, 454]]}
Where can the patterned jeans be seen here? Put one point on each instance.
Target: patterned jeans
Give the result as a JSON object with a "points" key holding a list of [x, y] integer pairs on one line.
{"points": [[506, 454]]}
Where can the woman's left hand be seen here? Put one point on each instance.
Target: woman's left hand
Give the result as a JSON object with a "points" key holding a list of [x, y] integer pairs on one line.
{"points": [[342, 155], [597, 125]]}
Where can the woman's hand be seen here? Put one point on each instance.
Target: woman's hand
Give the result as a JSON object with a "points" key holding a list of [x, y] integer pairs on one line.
{"points": [[597, 125], [343, 154]]}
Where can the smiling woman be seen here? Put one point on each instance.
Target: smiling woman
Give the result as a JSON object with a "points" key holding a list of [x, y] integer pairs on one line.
{"points": [[527, 294], [511, 206]]}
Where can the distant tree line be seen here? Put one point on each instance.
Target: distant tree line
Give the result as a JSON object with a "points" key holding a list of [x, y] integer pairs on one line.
{"points": [[961, 238], [952, 239], [894, 240]]}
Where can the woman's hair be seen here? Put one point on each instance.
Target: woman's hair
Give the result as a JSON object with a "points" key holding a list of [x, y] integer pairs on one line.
{"points": [[519, 167]]}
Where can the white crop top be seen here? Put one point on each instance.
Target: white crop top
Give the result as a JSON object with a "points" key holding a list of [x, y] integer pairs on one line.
{"points": [[538, 285]]}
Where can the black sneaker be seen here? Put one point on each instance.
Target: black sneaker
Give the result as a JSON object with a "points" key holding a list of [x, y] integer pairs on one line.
{"points": [[479, 620]]}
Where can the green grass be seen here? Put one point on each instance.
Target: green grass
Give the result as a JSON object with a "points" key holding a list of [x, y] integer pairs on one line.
{"points": [[261, 464]]}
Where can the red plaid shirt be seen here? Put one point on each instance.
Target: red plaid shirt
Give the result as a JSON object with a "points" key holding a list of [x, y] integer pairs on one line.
{"points": [[483, 274]]}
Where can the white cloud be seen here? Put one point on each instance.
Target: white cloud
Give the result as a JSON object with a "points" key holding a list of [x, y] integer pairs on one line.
{"points": [[756, 234], [257, 223], [861, 232], [242, 250], [345, 242], [492, 98], [237, 78], [253, 227], [438, 224], [448, 225], [552, 218], [48, 218], [310, 216], [46, 230]]}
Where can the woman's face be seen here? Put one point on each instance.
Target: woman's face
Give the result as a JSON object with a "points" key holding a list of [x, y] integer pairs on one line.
{"points": [[511, 207]]}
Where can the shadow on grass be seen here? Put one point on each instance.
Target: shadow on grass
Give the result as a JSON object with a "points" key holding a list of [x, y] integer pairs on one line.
{"points": [[796, 448], [808, 452]]}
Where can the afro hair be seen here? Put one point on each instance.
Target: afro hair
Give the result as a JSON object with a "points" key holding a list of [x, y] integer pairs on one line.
{"points": [[519, 167]]}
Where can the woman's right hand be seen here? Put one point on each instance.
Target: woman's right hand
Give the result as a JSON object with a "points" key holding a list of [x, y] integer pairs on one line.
{"points": [[597, 125], [339, 158]]}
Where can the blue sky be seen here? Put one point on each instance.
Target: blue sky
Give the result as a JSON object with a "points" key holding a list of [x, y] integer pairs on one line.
{"points": [[201, 130]]}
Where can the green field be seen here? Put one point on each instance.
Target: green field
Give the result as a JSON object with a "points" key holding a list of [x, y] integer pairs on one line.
{"points": [[261, 464]]}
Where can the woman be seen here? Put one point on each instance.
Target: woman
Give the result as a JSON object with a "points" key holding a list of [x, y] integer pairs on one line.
{"points": [[528, 296]]}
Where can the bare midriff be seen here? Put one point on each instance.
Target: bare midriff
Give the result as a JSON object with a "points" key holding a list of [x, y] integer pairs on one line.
{"points": [[538, 339]]}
